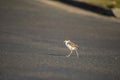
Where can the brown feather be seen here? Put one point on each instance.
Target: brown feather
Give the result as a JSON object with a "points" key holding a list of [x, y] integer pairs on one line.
{"points": [[73, 44]]}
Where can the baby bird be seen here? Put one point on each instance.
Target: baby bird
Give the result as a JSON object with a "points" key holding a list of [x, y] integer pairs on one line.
{"points": [[72, 47]]}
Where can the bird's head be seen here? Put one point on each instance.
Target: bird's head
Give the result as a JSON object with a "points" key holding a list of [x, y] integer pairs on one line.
{"points": [[67, 41]]}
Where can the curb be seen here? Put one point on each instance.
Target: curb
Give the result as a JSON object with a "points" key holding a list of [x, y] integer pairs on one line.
{"points": [[90, 7], [68, 8], [113, 12]]}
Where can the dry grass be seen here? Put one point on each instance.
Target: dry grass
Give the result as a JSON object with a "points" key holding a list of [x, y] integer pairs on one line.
{"points": [[106, 3]]}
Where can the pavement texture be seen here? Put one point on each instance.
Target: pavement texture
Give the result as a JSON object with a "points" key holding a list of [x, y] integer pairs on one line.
{"points": [[32, 48]]}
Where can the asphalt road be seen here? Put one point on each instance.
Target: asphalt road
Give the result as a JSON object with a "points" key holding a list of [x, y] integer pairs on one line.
{"points": [[32, 48]]}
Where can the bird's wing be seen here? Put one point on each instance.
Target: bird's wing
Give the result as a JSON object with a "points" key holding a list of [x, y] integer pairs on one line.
{"points": [[73, 44]]}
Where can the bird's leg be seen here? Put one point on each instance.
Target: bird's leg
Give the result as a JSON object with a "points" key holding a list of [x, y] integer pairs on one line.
{"points": [[77, 53], [69, 54]]}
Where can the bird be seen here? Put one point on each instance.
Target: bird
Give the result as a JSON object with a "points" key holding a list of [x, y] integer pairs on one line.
{"points": [[72, 47]]}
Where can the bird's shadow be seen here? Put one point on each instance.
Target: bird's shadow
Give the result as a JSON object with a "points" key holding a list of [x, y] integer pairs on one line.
{"points": [[53, 54], [61, 55]]}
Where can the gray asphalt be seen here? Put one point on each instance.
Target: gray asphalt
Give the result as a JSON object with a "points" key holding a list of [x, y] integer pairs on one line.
{"points": [[32, 48]]}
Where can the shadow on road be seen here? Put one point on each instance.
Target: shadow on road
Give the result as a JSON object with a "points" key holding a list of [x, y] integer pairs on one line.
{"points": [[89, 7], [51, 54]]}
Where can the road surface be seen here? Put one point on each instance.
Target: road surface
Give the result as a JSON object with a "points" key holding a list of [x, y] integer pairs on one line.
{"points": [[32, 48]]}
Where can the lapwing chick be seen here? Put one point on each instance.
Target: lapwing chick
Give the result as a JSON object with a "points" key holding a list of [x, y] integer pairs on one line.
{"points": [[72, 47]]}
